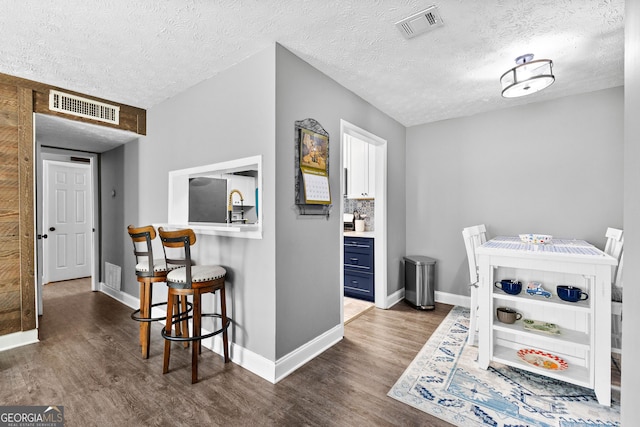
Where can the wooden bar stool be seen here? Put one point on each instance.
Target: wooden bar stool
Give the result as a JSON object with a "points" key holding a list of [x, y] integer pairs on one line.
{"points": [[194, 280], [150, 271]]}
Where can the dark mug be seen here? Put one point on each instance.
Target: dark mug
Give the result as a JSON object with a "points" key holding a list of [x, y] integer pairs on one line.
{"points": [[507, 315], [571, 293], [512, 287]]}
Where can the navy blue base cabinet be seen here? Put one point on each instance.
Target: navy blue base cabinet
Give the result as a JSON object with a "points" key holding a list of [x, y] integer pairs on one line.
{"points": [[358, 268]]}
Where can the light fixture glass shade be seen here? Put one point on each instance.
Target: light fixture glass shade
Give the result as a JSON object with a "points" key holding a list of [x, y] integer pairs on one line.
{"points": [[527, 78]]}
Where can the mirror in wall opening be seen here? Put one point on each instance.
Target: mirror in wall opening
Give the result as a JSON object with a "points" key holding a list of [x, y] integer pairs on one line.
{"points": [[222, 193]]}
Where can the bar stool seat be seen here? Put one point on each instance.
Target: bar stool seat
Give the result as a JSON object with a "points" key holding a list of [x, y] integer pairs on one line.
{"points": [[146, 276], [200, 274], [159, 274], [195, 280]]}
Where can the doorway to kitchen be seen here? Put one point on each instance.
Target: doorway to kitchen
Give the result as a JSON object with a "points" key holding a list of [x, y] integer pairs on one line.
{"points": [[376, 196]]}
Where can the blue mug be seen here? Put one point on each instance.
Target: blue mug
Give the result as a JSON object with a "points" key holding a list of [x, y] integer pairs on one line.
{"points": [[512, 287], [571, 293]]}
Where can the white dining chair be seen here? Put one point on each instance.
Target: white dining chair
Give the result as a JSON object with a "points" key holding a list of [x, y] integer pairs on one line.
{"points": [[614, 247], [473, 237]]}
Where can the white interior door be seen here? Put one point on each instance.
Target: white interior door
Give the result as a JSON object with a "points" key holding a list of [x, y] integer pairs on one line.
{"points": [[67, 221]]}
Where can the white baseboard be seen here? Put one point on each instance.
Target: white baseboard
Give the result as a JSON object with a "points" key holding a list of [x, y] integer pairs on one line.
{"points": [[394, 298], [253, 362], [443, 297], [123, 297], [276, 371], [452, 299], [18, 339], [292, 361]]}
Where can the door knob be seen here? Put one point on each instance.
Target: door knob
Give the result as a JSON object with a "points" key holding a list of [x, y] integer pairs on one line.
{"points": [[44, 236], [52, 229]]}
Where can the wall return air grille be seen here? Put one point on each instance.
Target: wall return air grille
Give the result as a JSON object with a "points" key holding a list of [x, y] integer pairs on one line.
{"points": [[83, 107]]}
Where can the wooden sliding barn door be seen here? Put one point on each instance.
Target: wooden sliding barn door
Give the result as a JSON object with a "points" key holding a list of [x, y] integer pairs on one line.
{"points": [[17, 285]]}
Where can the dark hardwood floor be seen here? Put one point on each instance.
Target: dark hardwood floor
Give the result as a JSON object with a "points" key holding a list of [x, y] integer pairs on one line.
{"points": [[88, 360]]}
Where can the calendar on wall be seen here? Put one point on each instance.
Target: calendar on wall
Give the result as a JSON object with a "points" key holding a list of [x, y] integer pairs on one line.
{"points": [[316, 187], [313, 193]]}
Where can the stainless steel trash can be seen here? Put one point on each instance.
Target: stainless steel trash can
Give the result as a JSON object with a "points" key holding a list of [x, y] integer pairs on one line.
{"points": [[419, 281]]}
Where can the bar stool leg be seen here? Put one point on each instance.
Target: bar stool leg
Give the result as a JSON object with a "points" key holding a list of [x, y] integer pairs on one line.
{"points": [[195, 348], [146, 326], [176, 309], [185, 321], [143, 294], [223, 315], [168, 327]]}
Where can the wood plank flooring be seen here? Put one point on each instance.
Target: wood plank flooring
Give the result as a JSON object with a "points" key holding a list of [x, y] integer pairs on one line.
{"points": [[88, 360]]}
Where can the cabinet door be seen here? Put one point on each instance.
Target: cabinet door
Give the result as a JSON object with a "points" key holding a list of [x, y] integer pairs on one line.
{"points": [[371, 170], [358, 261], [358, 285], [357, 154], [358, 182]]}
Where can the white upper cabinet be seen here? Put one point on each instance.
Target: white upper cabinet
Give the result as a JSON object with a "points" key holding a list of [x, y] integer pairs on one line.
{"points": [[359, 161], [246, 185]]}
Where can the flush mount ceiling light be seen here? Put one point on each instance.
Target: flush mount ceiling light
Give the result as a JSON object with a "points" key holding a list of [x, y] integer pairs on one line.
{"points": [[527, 77]]}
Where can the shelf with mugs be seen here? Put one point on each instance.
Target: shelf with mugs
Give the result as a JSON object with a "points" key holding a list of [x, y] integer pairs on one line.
{"points": [[579, 353], [562, 329], [554, 300], [546, 293]]}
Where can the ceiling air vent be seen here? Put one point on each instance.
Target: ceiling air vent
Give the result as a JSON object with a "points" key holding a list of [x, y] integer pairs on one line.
{"points": [[83, 107], [420, 23]]}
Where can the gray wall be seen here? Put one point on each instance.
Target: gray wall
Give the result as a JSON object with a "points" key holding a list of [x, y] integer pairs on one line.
{"points": [[112, 224], [631, 347], [229, 116], [551, 167], [131, 216], [285, 287], [307, 259]]}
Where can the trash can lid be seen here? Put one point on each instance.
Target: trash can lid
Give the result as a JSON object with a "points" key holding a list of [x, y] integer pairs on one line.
{"points": [[418, 259]]}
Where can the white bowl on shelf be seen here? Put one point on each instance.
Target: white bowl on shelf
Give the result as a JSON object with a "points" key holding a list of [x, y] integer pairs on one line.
{"points": [[536, 238]]}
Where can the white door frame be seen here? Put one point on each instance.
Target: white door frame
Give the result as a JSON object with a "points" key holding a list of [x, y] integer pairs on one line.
{"points": [[64, 155], [380, 230]]}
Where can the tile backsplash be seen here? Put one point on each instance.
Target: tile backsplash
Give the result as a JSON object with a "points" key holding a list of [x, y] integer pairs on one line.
{"points": [[366, 207]]}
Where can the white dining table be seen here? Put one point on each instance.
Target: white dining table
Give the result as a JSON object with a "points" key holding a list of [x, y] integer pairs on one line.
{"points": [[585, 338]]}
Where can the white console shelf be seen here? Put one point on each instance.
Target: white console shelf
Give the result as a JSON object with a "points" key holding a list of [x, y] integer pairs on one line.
{"points": [[584, 341]]}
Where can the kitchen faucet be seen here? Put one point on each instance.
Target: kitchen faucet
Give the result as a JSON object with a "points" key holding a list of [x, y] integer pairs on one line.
{"points": [[230, 205]]}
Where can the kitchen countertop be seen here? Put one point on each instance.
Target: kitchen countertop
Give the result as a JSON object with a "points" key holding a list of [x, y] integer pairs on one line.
{"points": [[370, 234]]}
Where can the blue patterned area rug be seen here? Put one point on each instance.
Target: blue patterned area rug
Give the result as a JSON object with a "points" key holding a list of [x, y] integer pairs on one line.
{"points": [[445, 381]]}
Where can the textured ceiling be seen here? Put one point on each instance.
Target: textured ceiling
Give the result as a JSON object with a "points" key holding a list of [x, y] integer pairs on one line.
{"points": [[143, 52], [58, 132]]}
